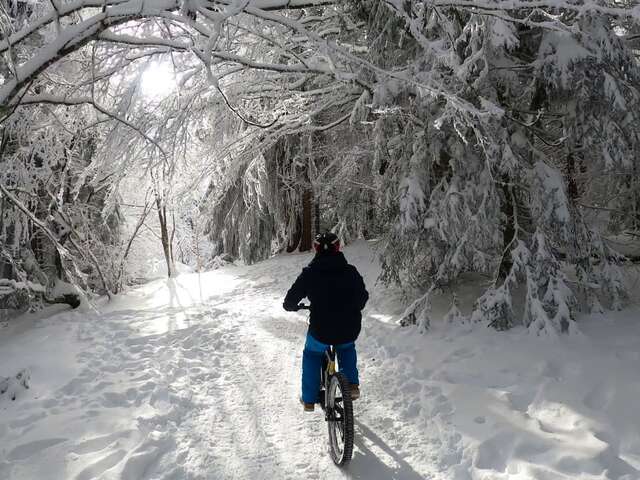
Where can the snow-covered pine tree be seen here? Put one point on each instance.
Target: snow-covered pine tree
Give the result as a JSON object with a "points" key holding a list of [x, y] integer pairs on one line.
{"points": [[520, 110]]}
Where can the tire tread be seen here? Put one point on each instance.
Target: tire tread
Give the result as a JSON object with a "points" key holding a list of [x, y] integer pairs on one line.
{"points": [[348, 420]]}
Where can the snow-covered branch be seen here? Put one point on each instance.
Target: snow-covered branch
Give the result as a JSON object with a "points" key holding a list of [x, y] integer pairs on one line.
{"points": [[75, 101]]}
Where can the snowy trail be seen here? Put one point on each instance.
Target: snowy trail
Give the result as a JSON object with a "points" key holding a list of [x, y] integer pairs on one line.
{"points": [[174, 387], [198, 378]]}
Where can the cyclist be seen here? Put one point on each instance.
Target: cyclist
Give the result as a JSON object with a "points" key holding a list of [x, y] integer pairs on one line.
{"points": [[337, 294]]}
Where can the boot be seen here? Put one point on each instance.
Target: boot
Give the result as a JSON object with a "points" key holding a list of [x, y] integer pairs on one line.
{"points": [[308, 407], [355, 391]]}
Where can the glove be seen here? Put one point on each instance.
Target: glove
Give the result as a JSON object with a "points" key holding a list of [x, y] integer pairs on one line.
{"points": [[290, 307]]}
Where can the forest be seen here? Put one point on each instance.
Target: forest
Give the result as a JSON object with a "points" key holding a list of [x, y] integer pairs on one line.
{"points": [[170, 308], [472, 139]]}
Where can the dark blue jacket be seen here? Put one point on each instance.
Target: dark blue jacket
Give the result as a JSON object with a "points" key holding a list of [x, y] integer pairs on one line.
{"points": [[337, 295]]}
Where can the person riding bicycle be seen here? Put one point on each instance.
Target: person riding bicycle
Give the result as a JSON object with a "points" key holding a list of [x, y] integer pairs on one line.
{"points": [[337, 294]]}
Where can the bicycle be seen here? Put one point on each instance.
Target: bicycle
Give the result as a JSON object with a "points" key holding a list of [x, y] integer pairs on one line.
{"points": [[335, 400]]}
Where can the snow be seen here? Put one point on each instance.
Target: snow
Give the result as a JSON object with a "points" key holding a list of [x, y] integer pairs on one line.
{"points": [[8, 286], [153, 268], [613, 92], [503, 33], [550, 184], [560, 51], [198, 378]]}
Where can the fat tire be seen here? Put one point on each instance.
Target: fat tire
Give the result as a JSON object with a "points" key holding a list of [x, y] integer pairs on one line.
{"points": [[348, 423]]}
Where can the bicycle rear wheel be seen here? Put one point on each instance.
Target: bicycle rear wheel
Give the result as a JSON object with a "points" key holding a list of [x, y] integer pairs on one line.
{"points": [[340, 420]]}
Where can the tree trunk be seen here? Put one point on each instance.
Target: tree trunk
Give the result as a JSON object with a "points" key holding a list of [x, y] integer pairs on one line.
{"points": [[164, 236], [572, 182], [6, 269], [58, 265], [508, 231], [196, 246], [635, 195], [307, 206], [317, 216], [173, 234], [294, 241]]}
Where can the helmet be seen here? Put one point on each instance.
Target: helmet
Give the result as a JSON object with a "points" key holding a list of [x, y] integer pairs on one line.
{"points": [[326, 243]]}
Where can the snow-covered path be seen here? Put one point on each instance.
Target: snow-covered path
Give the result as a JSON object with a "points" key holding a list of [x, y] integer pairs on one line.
{"points": [[192, 378], [188, 389], [198, 378]]}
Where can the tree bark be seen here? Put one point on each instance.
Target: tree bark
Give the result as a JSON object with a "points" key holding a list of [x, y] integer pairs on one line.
{"points": [[508, 231], [294, 241], [572, 182], [171, 238], [317, 216], [6, 269], [164, 236], [307, 206], [634, 186]]}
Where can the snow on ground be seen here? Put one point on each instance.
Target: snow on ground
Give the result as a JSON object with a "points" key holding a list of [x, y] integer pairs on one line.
{"points": [[198, 378]]}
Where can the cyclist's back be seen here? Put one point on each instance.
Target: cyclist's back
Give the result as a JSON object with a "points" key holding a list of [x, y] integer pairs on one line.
{"points": [[337, 294]]}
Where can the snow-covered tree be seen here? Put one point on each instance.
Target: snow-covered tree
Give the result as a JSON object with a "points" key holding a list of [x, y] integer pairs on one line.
{"points": [[504, 111], [54, 226], [498, 138]]}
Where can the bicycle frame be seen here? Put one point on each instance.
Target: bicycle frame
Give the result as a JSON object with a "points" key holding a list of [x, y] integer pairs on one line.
{"points": [[328, 371]]}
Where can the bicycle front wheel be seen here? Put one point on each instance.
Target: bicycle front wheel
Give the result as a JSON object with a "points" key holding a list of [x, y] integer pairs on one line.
{"points": [[340, 420]]}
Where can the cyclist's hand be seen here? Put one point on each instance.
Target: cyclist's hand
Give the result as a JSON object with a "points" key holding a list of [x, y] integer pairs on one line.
{"points": [[290, 307]]}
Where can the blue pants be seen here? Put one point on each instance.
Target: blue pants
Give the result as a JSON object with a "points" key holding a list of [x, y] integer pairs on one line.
{"points": [[312, 364]]}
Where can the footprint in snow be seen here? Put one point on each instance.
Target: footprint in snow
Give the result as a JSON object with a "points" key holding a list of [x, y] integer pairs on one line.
{"points": [[147, 454], [115, 399], [520, 401], [494, 453], [99, 443], [429, 391], [460, 354], [74, 386], [29, 449], [26, 421], [114, 368], [411, 387], [442, 408], [50, 403], [598, 397], [101, 386], [95, 470], [550, 370]]}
